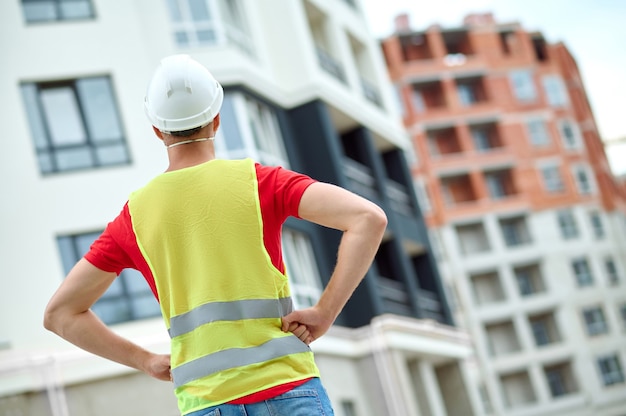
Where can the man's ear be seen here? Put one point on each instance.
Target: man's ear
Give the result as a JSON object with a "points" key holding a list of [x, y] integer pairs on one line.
{"points": [[157, 132], [216, 123]]}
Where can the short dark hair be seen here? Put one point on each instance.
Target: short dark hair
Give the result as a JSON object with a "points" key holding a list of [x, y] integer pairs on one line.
{"points": [[186, 133]]}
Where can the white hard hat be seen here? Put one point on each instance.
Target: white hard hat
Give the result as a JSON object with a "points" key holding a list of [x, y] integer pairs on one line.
{"points": [[182, 95]]}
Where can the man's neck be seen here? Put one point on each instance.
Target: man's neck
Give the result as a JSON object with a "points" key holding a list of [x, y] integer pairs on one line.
{"points": [[190, 154]]}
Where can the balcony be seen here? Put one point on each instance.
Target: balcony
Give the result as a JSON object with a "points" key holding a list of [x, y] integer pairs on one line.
{"points": [[428, 96], [430, 306], [371, 93], [471, 91], [458, 190], [415, 47], [443, 142], [399, 197], [360, 179], [331, 65], [395, 296]]}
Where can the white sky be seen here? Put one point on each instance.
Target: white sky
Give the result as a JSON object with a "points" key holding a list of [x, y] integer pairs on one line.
{"points": [[593, 30]]}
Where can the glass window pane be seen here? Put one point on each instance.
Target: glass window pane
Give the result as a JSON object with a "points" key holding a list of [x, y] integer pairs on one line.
{"points": [[84, 241], [199, 10], [182, 39], [116, 290], [112, 311], [111, 155], [68, 254], [39, 11], [135, 283], [73, 158], [45, 162], [37, 128], [230, 126], [63, 116], [174, 9], [75, 9], [145, 306], [99, 107], [206, 36]]}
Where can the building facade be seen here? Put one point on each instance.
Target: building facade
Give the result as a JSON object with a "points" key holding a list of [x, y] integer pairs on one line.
{"points": [[526, 217], [306, 88]]}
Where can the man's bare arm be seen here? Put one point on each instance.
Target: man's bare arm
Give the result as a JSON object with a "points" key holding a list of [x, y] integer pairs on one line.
{"points": [[68, 314], [363, 224]]}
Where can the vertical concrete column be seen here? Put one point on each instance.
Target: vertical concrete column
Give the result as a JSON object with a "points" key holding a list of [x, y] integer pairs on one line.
{"points": [[431, 387], [405, 383], [539, 384]]}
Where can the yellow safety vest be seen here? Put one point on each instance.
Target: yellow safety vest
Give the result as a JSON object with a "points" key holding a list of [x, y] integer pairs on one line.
{"points": [[201, 232]]}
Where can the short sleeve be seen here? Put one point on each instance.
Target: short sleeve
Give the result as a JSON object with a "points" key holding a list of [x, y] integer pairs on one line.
{"points": [[108, 252]]}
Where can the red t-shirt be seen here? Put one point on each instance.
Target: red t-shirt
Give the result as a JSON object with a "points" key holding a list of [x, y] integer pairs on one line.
{"points": [[280, 191]]}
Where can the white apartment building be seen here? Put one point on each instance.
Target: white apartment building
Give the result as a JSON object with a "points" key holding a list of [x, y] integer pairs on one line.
{"points": [[306, 87]]}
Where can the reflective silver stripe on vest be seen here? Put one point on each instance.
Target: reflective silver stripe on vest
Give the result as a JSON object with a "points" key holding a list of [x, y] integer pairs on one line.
{"points": [[237, 357], [229, 311]]}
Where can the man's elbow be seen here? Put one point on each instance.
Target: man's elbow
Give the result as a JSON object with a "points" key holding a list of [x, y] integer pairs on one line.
{"points": [[377, 219], [52, 320]]}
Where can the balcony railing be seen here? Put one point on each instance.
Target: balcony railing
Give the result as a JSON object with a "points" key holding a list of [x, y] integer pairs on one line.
{"points": [[399, 197], [371, 93], [330, 64], [361, 179], [395, 296], [430, 305]]}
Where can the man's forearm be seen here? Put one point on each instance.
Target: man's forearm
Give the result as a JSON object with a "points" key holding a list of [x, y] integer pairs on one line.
{"points": [[88, 332], [356, 253]]}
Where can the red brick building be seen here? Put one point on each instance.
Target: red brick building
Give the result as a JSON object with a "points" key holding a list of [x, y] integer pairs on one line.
{"points": [[515, 186]]}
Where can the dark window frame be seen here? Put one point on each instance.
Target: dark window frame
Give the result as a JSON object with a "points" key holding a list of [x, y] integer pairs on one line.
{"points": [[48, 151]]}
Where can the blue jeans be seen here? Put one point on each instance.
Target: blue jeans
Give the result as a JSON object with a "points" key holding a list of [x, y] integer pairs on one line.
{"points": [[308, 399]]}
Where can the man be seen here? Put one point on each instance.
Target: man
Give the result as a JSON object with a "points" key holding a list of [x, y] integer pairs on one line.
{"points": [[206, 236]]}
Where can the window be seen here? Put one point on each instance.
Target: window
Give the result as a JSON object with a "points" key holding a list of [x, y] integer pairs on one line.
{"points": [[192, 22], [502, 338], [555, 91], [552, 180], [203, 22], [560, 379], [597, 225], [611, 370], [481, 140], [583, 179], [250, 129], [500, 183], [595, 321], [417, 99], [611, 271], [517, 390], [582, 272], [529, 280], [523, 85], [129, 298], [515, 231], [622, 312], [538, 133], [487, 288], [348, 407], [75, 124], [53, 10], [486, 137], [235, 26], [471, 91], [472, 238], [304, 277], [570, 135], [567, 224], [544, 329]]}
